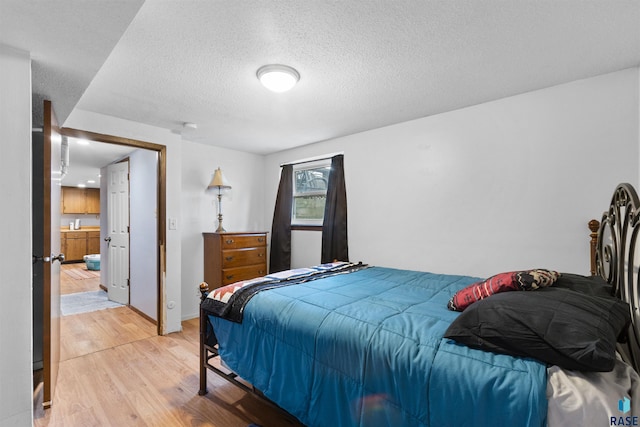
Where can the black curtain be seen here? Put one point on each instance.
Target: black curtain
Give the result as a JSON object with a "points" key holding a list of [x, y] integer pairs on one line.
{"points": [[334, 228], [280, 258]]}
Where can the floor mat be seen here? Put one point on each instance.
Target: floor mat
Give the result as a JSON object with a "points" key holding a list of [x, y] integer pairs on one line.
{"points": [[84, 302]]}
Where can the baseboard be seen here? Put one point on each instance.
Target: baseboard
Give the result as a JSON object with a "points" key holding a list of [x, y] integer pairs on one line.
{"points": [[146, 316], [190, 316]]}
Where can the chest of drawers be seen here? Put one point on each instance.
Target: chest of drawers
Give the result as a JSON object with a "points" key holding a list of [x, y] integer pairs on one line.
{"points": [[231, 257]]}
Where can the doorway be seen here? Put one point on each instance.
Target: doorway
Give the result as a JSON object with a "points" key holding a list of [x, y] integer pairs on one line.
{"points": [[160, 210], [44, 340]]}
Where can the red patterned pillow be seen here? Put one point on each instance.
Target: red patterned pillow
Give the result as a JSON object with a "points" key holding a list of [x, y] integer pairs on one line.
{"points": [[527, 280]]}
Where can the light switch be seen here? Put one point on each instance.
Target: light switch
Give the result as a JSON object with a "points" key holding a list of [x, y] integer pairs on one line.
{"points": [[173, 224]]}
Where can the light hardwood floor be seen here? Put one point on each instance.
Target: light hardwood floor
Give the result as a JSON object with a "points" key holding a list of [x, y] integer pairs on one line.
{"points": [[76, 278], [115, 371]]}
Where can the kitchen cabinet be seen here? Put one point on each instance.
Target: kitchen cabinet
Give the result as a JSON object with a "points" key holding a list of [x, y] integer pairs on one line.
{"points": [[93, 242], [80, 200], [93, 200], [78, 243], [74, 245]]}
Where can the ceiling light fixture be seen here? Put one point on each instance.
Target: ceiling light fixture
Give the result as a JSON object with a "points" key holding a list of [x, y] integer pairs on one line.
{"points": [[278, 78]]}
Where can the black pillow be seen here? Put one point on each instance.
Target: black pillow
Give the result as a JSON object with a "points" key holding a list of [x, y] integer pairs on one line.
{"points": [[558, 326], [590, 285]]}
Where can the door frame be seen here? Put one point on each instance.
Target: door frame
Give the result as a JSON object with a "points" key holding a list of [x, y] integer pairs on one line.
{"points": [[162, 205]]}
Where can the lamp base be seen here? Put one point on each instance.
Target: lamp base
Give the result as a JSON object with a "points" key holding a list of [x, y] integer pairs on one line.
{"points": [[220, 227]]}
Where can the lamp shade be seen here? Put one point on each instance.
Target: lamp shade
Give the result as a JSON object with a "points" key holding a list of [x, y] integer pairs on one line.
{"points": [[219, 181]]}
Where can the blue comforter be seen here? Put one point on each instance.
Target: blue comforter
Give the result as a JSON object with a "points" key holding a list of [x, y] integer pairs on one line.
{"points": [[367, 349]]}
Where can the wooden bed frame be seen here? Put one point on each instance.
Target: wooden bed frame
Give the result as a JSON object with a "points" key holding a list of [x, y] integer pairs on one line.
{"points": [[613, 247]]}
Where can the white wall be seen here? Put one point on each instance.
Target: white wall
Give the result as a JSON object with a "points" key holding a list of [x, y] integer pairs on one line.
{"points": [[504, 185], [242, 207], [86, 220], [143, 185], [15, 228], [108, 125]]}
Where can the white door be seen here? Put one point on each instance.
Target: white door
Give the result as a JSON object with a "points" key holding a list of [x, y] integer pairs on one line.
{"points": [[118, 234]]}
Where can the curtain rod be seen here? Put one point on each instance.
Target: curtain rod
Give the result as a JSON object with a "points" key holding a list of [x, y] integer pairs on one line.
{"points": [[312, 159]]}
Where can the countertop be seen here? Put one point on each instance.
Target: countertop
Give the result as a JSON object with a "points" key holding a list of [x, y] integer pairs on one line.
{"points": [[86, 228]]}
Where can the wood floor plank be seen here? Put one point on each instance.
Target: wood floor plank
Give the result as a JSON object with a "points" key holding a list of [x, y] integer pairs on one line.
{"points": [[72, 283], [116, 371]]}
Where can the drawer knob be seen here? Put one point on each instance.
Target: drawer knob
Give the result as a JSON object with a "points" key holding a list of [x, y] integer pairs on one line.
{"points": [[260, 239], [229, 258], [229, 276], [260, 254], [229, 241]]}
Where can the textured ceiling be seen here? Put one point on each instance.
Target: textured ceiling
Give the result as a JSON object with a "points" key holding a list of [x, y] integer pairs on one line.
{"points": [[363, 64], [69, 40]]}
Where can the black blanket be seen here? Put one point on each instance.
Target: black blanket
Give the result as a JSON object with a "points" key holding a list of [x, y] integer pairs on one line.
{"points": [[234, 308]]}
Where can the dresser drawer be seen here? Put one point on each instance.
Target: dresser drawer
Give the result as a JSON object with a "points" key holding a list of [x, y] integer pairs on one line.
{"points": [[232, 275], [231, 257], [242, 257], [245, 241]]}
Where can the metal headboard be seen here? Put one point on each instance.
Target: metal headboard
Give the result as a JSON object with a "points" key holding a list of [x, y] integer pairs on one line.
{"points": [[617, 257]]}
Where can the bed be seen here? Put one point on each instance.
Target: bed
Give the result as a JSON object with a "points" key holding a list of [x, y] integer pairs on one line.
{"points": [[348, 344]]}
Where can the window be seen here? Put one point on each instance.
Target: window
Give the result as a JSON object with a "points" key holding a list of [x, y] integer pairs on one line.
{"points": [[310, 192]]}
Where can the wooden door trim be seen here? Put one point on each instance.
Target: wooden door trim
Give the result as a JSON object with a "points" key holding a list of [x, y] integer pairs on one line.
{"points": [[162, 206], [47, 365]]}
